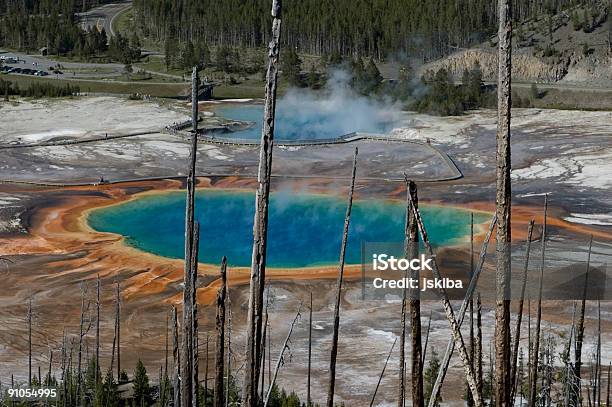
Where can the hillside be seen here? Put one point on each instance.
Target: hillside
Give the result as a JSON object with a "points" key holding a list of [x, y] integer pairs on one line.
{"points": [[571, 48]]}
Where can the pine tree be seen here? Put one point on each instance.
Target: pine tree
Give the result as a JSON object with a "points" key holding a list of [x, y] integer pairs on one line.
{"points": [[291, 67], [430, 374], [142, 390]]}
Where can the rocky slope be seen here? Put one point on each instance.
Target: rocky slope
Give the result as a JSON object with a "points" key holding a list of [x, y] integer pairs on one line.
{"points": [[572, 47]]}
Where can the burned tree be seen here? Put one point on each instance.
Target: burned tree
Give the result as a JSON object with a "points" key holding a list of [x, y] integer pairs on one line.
{"points": [[118, 330], [308, 400], [188, 371], [97, 356], [176, 357], [334, 349], [519, 318], [503, 206], [450, 347], [220, 346], [580, 328], [280, 360], [30, 342], [382, 373], [536, 346], [454, 325], [260, 227], [411, 250]]}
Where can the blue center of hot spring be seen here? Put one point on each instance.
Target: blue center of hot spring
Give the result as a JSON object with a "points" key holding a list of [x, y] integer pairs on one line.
{"points": [[304, 230]]}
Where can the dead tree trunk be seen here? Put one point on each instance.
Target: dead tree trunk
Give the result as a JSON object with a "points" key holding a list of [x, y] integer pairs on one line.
{"points": [[260, 227], [450, 347], [608, 392], [218, 401], [48, 379], [118, 331], [536, 345], [81, 335], [519, 318], [426, 342], [308, 400], [187, 347], [30, 342], [470, 400], [597, 381], [280, 360], [401, 396], [97, 356], [382, 373], [263, 348], [229, 353], [580, 329], [478, 348], [503, 205], [195, 380], [334, 349], [206, 375], [411, 250], [455, 330], [165, 376], [176, 360]]}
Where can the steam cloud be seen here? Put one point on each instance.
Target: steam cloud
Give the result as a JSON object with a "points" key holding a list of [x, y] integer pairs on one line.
{"points": [[336, 111]]}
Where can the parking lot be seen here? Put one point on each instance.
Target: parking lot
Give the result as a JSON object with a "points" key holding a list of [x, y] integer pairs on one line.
{"points": [[16, 63]]}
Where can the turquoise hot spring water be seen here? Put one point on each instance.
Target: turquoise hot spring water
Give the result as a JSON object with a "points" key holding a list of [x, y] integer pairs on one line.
{"points": [[304, 229]]}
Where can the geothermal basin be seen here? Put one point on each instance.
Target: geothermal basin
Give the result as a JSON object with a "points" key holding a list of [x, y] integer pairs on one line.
{"points": [[304, 230]]}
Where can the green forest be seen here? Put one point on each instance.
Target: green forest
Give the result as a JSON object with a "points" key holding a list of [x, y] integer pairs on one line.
{"points": [[32, 24], [368, 28]]}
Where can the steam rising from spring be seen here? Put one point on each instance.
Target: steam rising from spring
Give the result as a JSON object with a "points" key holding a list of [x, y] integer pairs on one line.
{"points": [[335, 111]]}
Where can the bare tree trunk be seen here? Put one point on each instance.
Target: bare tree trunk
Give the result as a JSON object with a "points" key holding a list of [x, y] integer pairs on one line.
{"points": [[118, 331], [382, 373], [229, 354], [478, 348], [503, 205], [411, 250], [165, 376], [30, 342], [334, 349], [529, 349], [205, 401], [48, 380], [189, 285], [536, 345], [97, 379], [455, 331], [450, 347], [195, 380], [263, 350], [597, 391], [176, 358], [426, 342], [260, 227], [81, 334], [402, 358], [470, 400], [519, 319], [280, 360], [308, 400], [608, 392], [218, 400], [580, 330]]}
